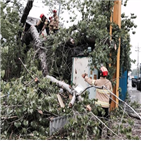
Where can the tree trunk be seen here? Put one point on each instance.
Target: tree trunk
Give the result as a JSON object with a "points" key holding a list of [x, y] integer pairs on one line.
{"points": [[7, 1], [38, 45], [26, 11], [66, 87]]}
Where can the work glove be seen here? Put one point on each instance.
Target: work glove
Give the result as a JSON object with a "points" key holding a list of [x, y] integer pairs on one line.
{"points": [[54, 27], [88, 107], [85, 74]]}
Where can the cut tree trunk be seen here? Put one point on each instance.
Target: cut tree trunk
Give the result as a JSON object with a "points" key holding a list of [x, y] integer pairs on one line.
{"points": [[60, 101]]}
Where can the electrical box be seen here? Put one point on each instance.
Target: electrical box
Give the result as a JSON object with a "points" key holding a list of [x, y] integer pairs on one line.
{"points": [[80, 66]]}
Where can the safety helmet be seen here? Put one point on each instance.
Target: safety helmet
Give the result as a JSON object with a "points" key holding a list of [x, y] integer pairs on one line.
{"points": [[104, 71], [50, 18], [41, 16], [54, 11]]}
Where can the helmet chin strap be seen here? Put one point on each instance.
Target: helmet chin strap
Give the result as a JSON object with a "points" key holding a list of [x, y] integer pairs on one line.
{"points": [[101, 75]]}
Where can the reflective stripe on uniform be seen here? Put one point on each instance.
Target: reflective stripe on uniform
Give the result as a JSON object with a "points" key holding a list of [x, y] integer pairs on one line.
{"points": [[93, 82], [102, 91], [45, 22], [103, 104]]}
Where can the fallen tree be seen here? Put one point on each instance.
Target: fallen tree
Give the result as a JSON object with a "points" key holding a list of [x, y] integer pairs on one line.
{"points": [[30, 102]]}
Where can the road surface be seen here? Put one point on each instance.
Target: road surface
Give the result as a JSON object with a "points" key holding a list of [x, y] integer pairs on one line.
{"points": [[134, 94]]}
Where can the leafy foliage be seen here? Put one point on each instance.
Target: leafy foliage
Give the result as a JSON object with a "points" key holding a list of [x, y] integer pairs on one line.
{"points": [[11, 46]]}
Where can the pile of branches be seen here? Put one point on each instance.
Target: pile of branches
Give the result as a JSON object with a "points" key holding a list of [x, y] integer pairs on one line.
{"points": [[32, 102]]}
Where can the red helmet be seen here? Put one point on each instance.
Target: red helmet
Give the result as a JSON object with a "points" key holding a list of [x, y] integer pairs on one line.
{"points": [[41, 16], [104, 71], [50, 18], [54, 11]]}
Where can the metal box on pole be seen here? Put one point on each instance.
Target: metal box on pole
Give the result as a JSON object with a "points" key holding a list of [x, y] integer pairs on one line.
{"points": [[81, 65]]}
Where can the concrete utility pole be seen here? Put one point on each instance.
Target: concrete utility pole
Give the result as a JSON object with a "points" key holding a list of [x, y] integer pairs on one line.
{"points": [[116, 18], [138, 50], [59, 7]]}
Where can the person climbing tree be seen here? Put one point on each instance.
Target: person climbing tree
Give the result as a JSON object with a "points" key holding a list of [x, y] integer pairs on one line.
{"points": [[43, 24], [48, 29]]}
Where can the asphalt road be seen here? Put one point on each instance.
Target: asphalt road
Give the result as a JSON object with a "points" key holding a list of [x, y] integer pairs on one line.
{"points": [[134, 94]]}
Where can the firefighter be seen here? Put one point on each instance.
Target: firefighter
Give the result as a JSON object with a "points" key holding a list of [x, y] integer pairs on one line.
{"points": [[102, 95], [51, 25], [50, 18], [55, 21], [42, 24]]}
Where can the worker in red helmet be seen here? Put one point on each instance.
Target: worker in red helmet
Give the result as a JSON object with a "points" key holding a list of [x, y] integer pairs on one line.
{"points": [[50, 18], [51, 25], [55, 21], [42, 24], [103, 96]]}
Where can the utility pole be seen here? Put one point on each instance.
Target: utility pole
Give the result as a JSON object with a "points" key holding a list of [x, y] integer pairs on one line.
{"points": [[116, 18], [59, 9], [138, 50]]}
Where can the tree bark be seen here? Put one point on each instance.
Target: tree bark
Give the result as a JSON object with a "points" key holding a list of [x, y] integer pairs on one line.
{"points": [[7, 1], [60, 83], [26, 11], [38, 45]]}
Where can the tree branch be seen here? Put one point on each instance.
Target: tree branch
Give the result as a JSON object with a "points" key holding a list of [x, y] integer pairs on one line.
{"points": [[60, 83], [123, 102], [105, 125]]}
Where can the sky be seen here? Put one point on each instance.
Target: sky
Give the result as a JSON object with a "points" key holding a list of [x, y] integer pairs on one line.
{"points": [[133, 6], [39, 8]]}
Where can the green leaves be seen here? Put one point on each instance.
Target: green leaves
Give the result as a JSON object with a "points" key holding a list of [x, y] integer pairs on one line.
{"points": [[25, 123], [2, 73], [17, 124]]}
